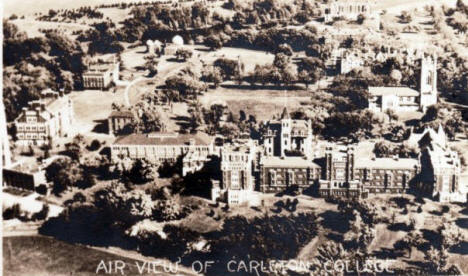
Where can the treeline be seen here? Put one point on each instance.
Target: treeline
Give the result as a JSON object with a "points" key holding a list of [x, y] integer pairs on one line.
{"points": [[34, 64], [73, 14]]}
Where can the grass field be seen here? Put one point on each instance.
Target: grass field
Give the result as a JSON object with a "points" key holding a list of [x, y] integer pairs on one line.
{"points": [[45, 256], [263, 104]]}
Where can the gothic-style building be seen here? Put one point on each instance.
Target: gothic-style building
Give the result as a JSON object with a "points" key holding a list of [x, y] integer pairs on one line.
{"points": [[288, 137], [405, 98]]}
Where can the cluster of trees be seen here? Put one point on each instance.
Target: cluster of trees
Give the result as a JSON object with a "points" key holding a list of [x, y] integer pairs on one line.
{"points": [[103, 39], [73, 14], [66, 173], [281, 238], [270, 11], [388, 149], [186, 84], [449, 118], [34, 64], [15, 212]]}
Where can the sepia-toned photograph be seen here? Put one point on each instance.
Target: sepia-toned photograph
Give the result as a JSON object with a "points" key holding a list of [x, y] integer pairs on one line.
{"points": [[234, 137]]}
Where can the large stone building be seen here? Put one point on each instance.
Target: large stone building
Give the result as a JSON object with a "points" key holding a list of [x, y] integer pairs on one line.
{"points": [[351, 10], [441, 168], [161, 147], [238, 168], [45, 119], [288, 137], [101, 74], [348, 175], [405, 98], [278, 174], [386, 175], [339, 173]]}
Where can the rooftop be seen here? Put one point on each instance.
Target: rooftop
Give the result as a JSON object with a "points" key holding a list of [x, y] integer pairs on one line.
{"points": [[160, 138], [121, 113], [386, 163], [288, 162], [397, 91]]}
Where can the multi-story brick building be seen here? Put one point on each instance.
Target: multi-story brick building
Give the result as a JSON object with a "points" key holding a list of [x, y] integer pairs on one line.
{"points": [[237, 167], [101, 74], [346, 175], [277, 174], [45, 119], [386, 175], [288, 137], [338, 176], [405, 98], [161, 147]]}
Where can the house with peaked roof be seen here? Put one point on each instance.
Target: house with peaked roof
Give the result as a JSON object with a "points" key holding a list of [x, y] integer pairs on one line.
{"points": [[406, 98], [44, 119]]}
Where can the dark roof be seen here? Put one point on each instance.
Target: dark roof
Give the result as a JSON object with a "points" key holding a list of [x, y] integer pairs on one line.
{"points": [[117, 113], [199, 138]]}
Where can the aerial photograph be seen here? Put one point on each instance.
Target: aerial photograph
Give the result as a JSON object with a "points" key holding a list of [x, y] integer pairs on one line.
{"points": [[234, 137]]}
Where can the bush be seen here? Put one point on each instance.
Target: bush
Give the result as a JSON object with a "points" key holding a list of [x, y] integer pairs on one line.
{"points": [[12, 212], [41, 189], [95, 145], [42, 214]]}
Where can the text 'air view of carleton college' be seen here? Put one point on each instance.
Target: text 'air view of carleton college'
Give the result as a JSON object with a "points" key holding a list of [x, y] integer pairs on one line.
{"points": [[235, 137]]}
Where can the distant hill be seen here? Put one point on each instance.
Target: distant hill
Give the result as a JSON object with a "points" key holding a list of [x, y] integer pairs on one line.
{"points": [[25, 7]]}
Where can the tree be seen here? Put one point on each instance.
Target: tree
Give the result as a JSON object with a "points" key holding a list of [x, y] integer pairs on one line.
{"points": [[281, 61], [168, 209], [151, 64], [213, 42], [142, 171], [63, 173], [184, 54], [212, 74], [42, 214]]}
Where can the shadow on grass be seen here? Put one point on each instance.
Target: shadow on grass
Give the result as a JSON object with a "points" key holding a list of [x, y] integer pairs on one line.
{"points": [[461, 248], [334, 221], [399, 227], [462, 223]]}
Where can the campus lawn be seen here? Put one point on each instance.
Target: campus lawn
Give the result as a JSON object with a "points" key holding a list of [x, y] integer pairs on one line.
{"points": [[263, 104], [40, 255]]}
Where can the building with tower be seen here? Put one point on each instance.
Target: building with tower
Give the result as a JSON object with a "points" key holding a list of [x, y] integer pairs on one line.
{"points": [[238, 168], [405, 98], [441, 168], [288, 137], [349, 175]]}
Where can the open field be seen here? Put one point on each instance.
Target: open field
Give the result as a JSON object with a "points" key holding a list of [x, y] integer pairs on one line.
{"points": [[263, 104], [31, 26], [33, 6], [40, 255]]}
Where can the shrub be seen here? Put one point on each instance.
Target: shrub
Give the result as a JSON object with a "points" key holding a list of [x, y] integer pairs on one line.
{"points": [[42, 214], [12, 212]]}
